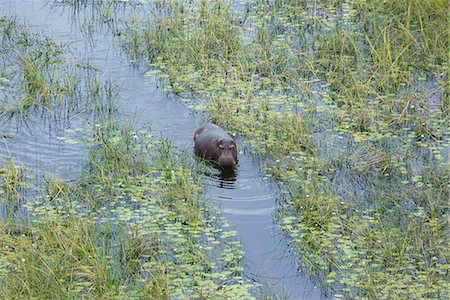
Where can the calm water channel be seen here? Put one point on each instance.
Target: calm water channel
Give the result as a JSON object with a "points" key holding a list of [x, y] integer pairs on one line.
{"points": [[247, 200]]}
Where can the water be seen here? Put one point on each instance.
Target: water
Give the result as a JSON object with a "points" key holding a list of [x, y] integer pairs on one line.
{"points": [[248, 203], [246, 198]]}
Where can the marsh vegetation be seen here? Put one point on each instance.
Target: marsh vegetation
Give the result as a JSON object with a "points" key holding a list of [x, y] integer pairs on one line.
{"points": [[346, 102], [131, 226]]}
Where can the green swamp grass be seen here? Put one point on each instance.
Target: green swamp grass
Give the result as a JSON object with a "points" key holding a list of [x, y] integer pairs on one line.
{"points": [[348, 101], [132, 226], [37, 75], [337, 95], [95, 18], [12, 183]]}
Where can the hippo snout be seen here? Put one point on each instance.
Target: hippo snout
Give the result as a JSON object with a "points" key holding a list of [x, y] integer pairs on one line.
{"points": [[226, 160]]}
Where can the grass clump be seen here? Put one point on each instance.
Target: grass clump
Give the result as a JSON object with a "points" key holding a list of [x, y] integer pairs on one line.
{"points": [[38, 76], [96, 18], [56, 258], [348, 102], [12, 182]]}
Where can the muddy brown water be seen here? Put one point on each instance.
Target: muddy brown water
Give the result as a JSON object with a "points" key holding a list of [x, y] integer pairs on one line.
{"points": [[246, 198]]}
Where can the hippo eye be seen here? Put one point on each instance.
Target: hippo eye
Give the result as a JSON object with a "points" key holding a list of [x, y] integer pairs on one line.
{"points": [[232, 146]]}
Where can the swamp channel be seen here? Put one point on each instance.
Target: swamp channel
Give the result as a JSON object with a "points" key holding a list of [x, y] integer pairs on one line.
{"points": [[340, 110]]}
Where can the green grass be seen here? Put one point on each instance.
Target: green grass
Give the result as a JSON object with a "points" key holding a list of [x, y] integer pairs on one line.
{"points": [[57, 259], [133, 226], [37, 75], [11, 184], [348, 102]]}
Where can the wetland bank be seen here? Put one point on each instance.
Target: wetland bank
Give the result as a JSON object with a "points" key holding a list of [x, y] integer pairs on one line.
{"points": [[345, 103]]}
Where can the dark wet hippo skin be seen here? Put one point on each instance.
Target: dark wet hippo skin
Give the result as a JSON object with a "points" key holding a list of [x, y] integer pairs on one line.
{"points": [[213, 143]]}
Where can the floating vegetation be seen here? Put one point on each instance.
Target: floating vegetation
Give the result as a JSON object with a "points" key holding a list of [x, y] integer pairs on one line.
{"points": [[133, 225], [348, 101]]}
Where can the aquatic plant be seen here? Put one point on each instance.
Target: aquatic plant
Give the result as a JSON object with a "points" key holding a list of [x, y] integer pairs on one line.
{"points": [[11, 183], [93, 16], [38, 75], [348, 103], [133, 225]]}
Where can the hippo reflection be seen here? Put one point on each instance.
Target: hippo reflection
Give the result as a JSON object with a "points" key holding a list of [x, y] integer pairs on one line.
{"points": [[213, 143]]}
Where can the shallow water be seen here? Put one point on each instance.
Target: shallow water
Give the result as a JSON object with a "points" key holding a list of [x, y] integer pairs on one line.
{"points": [[248, 203], [246, 198]]}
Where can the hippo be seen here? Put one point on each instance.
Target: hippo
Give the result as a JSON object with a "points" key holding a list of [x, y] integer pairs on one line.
{"points": [[212, 142]]}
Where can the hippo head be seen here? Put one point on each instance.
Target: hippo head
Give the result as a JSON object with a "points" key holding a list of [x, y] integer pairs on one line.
{"points": [[227, 151]]}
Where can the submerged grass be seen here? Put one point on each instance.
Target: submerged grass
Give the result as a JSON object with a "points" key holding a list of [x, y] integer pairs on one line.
{"points": [[348, 101], [38, 76], [93, 16]]}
